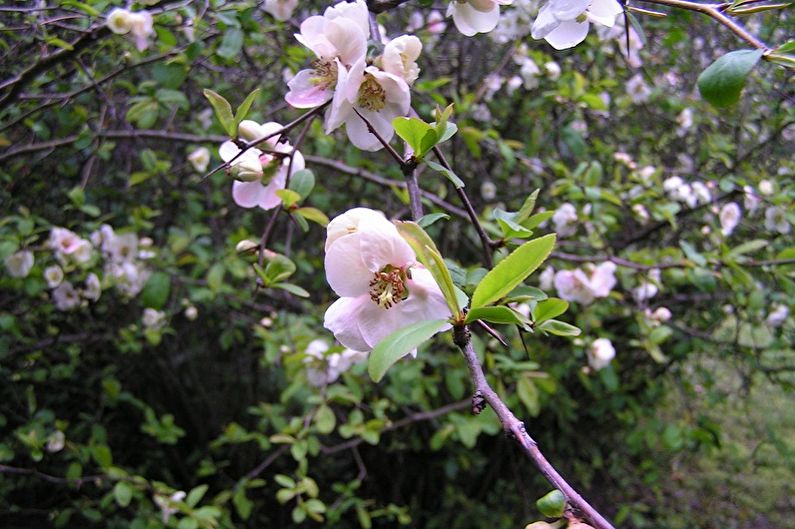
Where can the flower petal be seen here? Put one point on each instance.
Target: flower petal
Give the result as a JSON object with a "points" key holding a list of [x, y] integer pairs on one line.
{"points": [[355, 220], [346, 271], [565, 10], [247, 194], [604, 12], [342, 319], [567, 35], [228, 150], [470, 21], [380, 248], [304, 93]]}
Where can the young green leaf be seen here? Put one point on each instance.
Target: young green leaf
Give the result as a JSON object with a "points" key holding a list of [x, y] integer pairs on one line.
{"points": [[559, 328], [429, 256], [548, 309], [245, 106], [430, 218], [552, 504], [457, 182], [313, 214], [302, 182], [223, 111], [288, 196], [722, 82], [512, 270], [295, 290], [527, 207], [156, 290], [399, 344], [496, 315], [420, 136]]}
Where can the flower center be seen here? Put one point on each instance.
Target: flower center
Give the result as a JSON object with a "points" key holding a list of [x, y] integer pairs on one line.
{"points": [[325, 73], [388, 287], [371, 95]]}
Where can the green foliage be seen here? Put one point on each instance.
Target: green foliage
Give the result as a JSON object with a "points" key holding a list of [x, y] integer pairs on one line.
{"points": [[722, 82], [399, 344]]}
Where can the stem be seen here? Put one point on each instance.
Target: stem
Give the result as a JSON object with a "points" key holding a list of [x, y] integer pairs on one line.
{"points": [[511, 424]]}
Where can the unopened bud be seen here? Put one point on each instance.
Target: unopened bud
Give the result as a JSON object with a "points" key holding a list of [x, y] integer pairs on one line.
{"points": [[246, 246], [250, 130], [247, 170]]}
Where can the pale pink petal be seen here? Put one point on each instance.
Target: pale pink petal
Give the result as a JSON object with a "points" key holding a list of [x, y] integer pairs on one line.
{"points": [[382, 247], [356, 220], [313, 36], [376, 323], [342, 319], [346, 272], [304, 93], [604, 12], [567, 35], [348, 39], [228, 150], [470, 21], [268, 198], [359, 134], [425, 301], [565, 10], [354, 11], [247, 194], [345, 93], [545, 23]]}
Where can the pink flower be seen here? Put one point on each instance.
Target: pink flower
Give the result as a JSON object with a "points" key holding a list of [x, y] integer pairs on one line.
{"points": [[382, 287], [258, 175]]}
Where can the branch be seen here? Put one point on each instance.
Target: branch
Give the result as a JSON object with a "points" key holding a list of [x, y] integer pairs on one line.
{"points": [[511, 424], [714, 11]]}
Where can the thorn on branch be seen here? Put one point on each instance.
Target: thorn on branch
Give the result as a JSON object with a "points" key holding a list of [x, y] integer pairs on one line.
{"points": [[478, 403]]}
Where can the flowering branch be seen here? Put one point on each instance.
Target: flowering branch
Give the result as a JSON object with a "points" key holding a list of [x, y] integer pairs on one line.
{"points": [[516, 428]]}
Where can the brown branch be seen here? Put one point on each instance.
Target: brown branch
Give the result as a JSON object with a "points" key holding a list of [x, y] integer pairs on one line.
{"points": [[511, 424]]}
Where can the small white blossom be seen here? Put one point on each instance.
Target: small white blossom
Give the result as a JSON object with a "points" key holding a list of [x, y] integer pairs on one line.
{"points": [[280, 9], [19, 264], [56, 441], [766, 187], [153, 319], [729, 218], [565, 219], [552, 70], [200, 159], [638, 90], [777, 316], [65, 296], [776, 220], [546, 279], [601, 353], [53, 275], [167, 504], [93, 289], [488, 190]]}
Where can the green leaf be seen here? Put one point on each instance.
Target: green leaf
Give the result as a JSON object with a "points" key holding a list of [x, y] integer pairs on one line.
{"points": [[722, 82], [528, 394], [245, 106], [325, 420], [231, 44], [499, 314], [748, 247], [313, 214], [243, 505], [302, 182], [223, 111], [102, 455], [215, 277], [429, 256], [430, 218], [420, 136], [399, 344], [548, 309], [457, 182], [156, 290], [288, 196], [559, 328], [512, 270], [292, 289], [527, 207], [55, 41], [122, 492], [195, 495], [552, 504], [537, 219]]}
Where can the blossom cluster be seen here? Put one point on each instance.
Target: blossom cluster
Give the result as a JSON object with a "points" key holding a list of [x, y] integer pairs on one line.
{"points": [[364, 91], [259, 172], [581, 285], [138, 24], [323, 368]]}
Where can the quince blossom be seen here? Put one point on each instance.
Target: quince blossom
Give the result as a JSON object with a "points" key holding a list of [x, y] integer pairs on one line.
{"points": [[323, 369], [280, 9], [729, 218], [601, 353], [338, 39], [382, 287], [576, 285], [258, 175], [475, 16], [19, 264], [564, 23]]}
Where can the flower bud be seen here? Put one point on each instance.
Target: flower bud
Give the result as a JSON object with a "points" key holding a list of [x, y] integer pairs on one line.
{"points": [[246, 246], [250, 130], [248, 170]]}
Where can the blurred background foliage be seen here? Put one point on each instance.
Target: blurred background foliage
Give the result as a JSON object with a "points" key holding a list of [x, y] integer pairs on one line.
{"points": [[201, 415]]}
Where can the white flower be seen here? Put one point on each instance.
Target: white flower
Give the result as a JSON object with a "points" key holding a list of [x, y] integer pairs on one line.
{"points": [[153, 319], [766, 187], [546, 279], [553, 70], [19, 264], [119, 21], [280, 9], [564, 23], [488, 190], [576, 285], [382, 287], [637, 89], [378, 96], [729, 218], [685, 121], [777, 316], [529, 72], [513, 84], [65, 296], [436, 23], [624, 159], [93, 288], [258, 174], [338, 39], [776, 221], [191, 312], [167, 504], [129, 277], [53, 275], [601, 353], [56, 441], [82, 253], [65, 243], [702, 193], [475, 16], [565, 219], [661, 314], [751, 200], [200, 159], [122, 248], [324, 369], [400, 57], [141, 26], [642, 213]]}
